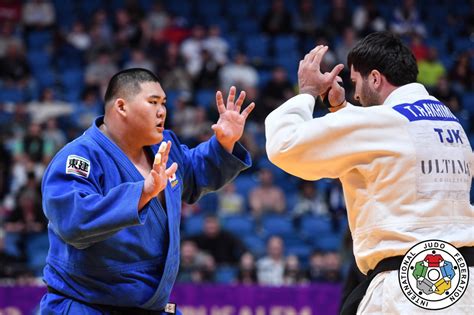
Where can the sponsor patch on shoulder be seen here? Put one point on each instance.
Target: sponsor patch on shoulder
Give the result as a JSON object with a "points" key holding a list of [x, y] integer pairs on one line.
{"points": [[78, 165]]}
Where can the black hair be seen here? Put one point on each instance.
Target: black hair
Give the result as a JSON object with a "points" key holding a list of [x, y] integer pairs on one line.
{"points": [[127, 82], [385, 52]]}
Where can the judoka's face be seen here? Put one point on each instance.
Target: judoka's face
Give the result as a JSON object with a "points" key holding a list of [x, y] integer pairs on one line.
{"points": [[148, 113], [364, 93]]}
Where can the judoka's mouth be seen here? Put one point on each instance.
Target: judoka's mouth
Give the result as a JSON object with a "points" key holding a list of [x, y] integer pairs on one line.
{"points": [[160, 126]]}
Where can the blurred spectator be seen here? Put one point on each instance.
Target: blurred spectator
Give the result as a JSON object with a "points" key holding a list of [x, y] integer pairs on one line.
{"points": [[430, 69], [172, 71], [191, 50], [239, 74], [406, 19], [462, 73], [336, 203], [208, 76], [349, 38], [446, 94], [88, 108], [190, 133], [8, 37], [53, 135], [15, 67], [275, 92], [183, 113], [266, 197], [195, 266], [157, 18], [270, 269], [418, 47], [78, 37], [308, 201], [367, 19], [230, 202], [34, 145], [175, 32], [138, 59], [101, 33], [6, 164], [127, 30], [10, 11], [293, 274], [48, 107], [247, 273], [38, 14], [338, 20], [100, 70], [325, 267], [215, 44], [12, 267], [224, 247], [277, 20], [305, 21]]}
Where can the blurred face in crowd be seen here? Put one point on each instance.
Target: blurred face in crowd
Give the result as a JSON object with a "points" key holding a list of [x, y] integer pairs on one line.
{"points": [[211, 227], [275, 248]]}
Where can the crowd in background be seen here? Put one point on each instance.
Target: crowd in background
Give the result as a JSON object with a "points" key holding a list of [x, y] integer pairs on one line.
{"points": [[266, 227]]}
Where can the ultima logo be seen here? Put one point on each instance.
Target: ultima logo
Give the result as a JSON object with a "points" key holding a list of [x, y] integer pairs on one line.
{"points": [[433, 275]]}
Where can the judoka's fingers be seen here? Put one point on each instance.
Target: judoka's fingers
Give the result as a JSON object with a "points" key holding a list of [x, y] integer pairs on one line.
{"points": [[165, 154], [231, 98], [170, 171], [240, 101], [246, 112], [220, 102]]}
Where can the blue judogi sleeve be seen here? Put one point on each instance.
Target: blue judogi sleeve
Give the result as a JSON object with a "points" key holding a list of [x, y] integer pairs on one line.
{"points": [[77, 209], [209, 166]]}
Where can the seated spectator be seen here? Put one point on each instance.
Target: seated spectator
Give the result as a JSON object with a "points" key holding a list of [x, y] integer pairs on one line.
{"points": [[88, 108], [100, 70], [406, 20], [53, 135], [12, 267], [367, 19], [208, 76], [324, 267], [239, 74], [293, 275], [8, 37], [191, 50], [127, 30], [78, 37], [430, 69], [15, 67], [338, 19], [349, 38], [216, 45], [308, 201], [138, 59], [277, 90], [157, 18], [247, 273], [10, 11], [418, 47], [277, 20], [230, 202], [34, 146], [305, 22], [49, 106], [462, 73], [224, 247], [38, 14], [270, 269], [172, 69], [195, 266], [266, 197]]}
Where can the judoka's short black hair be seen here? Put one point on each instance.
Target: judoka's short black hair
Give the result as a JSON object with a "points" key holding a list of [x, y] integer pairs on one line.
{"points": [[127, 82], [385, 52]]}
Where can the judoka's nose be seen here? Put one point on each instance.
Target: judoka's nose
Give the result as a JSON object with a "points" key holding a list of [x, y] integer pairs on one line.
{"points": [[161, 112]]}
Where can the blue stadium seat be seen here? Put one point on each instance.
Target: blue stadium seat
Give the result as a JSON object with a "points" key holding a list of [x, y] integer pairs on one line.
{"points": [[468, 101], [39, 40], [255, 244], [37, 246], [238, 224], [280, 225], [226, 274], [193, 225], [285, 44], [256, 46], [244, 183], [315, 225], [205, 97], [302, 250]]}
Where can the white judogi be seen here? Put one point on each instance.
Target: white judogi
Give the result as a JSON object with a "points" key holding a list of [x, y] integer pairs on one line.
{"points": [[405, 166]]}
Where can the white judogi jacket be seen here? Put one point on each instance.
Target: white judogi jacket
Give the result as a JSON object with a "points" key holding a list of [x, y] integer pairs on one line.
{"points": [[405, 166]]}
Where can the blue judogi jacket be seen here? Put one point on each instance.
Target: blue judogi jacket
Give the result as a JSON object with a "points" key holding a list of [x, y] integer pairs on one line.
{"points": [[102, 250]]}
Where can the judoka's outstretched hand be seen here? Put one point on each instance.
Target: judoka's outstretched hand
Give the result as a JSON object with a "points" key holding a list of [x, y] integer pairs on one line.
{"points": [[310, 78], [158, 177], [231, 123]]}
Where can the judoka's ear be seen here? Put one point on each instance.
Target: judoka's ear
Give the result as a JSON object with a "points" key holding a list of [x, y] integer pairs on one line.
{"points": [[120, 106], [375, 79]]}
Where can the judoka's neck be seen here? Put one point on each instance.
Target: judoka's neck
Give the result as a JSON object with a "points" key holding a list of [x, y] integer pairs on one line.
{"points": [[128, 146]]}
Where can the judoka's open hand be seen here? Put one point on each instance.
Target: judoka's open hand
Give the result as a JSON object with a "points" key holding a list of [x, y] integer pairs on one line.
{"points": [[158, 177], [310, 78], [231, 123]]}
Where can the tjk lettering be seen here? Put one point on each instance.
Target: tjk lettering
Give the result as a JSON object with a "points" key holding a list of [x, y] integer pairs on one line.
{"points": [[449, 135]]}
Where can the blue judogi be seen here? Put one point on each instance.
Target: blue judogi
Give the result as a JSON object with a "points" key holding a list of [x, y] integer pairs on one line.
{"points": [[102, 250]]}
